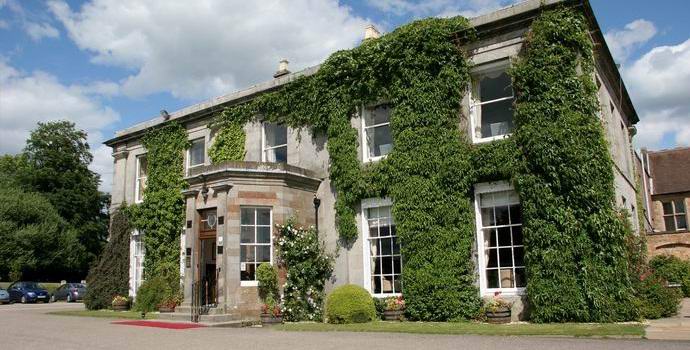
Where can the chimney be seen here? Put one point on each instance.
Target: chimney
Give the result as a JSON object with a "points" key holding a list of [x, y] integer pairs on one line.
{"points": [[370, 32], [282, 68]]}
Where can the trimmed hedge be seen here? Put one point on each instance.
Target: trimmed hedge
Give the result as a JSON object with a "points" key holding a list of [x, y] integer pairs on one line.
{"points": [[350, 304], [110, 275]]}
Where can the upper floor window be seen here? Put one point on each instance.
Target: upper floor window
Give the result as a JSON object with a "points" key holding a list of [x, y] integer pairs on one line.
{"points": [[142, 174], [674, 215], [197, 153], [499, 239], [274, 143], [383, 264], [376, 130], [491, 103]]}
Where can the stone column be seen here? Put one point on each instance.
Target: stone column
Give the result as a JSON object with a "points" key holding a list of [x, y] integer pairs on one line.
{"points": [[190, 245], [221, 193], [119, 178]]}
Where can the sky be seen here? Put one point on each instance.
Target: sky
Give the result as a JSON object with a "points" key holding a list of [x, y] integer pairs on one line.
{"points": [[109, 64]]}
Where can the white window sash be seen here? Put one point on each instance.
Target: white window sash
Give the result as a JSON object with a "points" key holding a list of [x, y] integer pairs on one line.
{"points": [[365, 139], [476, 103], [368, 204], [189, 154], [264, 144], [255, 282], [139, 197], [480, 189]]}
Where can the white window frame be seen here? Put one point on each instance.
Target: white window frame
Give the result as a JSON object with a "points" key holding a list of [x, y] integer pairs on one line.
{"points": [[489, 187], [675, 214], [189, 154], [363, 134], [265, 148], [136, 270], [475, 105], [367, 204], [255, 282], [139, 197]]}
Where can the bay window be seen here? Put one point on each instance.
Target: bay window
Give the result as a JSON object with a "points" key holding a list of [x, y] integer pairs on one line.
{"points": [[499, 239], [383, 262]]}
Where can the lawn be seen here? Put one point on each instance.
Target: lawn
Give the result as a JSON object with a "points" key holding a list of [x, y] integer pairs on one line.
{"points": [[562, 329], [103, 314]]}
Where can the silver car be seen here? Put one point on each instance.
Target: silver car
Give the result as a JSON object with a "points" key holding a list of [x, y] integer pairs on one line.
{"points": [[4, 297]]}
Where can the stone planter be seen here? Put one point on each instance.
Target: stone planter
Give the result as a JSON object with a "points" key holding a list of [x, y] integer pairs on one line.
{"points": [[393, 315], [501, 315], [121, 306], [269, 319]]}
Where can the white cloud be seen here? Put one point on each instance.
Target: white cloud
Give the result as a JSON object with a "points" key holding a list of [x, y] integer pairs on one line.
{"points": [[29, 98], [622, 42], [4, 24], [38, 31], [440, 8], [659, 83], [206, 48]]}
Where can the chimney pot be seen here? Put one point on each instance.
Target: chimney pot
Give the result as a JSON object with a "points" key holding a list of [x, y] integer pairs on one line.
{"points": [[370, 32], [282, 68]]}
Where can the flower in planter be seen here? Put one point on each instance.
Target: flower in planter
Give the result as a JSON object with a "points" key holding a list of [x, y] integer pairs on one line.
{"points": [[119, 300], [395, 303], [496, 303]]}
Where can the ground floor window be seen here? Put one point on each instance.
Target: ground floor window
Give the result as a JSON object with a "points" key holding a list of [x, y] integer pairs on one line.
{"points": [[383, 262], [137, 261], [256, 242], [499, 238]]}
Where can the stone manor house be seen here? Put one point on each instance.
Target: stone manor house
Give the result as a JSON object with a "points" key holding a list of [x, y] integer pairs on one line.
{"points": [[232, 207]]}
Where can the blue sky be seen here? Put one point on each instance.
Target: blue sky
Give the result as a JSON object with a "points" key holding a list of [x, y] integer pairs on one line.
{"points": [[108, 64]]}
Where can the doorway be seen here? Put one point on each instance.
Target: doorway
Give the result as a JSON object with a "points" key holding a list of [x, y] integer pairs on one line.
{"points": [[208, 272]]}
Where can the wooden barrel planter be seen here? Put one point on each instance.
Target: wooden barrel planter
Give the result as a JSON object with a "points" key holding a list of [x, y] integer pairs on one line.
{"points": [[121, 306], [269, 319], [501, 315], [393, 315], [166, 308]]}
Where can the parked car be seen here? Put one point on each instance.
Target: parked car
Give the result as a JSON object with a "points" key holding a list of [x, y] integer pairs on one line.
{"points": [[69, 292], [27, 292], [4, 296]]}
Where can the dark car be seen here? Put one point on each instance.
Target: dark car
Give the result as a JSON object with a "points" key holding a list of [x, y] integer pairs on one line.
{"points": [[69, 292], [4, 296], [27, 292]]}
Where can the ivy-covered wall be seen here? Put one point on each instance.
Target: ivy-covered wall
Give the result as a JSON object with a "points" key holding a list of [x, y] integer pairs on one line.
{"points": [[557, 158], [228, 144]]}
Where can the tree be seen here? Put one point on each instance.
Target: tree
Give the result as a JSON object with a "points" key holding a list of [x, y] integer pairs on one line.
{"points": [[57, 157]]}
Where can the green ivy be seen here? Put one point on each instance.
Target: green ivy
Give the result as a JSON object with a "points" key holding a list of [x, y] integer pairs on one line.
{"points": [[228, 145], [575, 241], [161, 215]]}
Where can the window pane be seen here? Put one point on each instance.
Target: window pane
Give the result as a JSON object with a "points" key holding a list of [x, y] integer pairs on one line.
{"points": [[520, 278], [263, 253], [504, 237], [277, 155], [387, 286], [515, 214], [492, 278], [143, 166], [396, 246], [488, 217], [196, 153], [247, 234], [507, 278], [506, 257], [377, 115], [377, 265], [519, 253], [373, 230], [379, 141], [275, 134], [376, 283], [517, 235], [263, 234], [495, 86], [387, 266], [670, 223], [490, 235], [680, 222], [668, 208], [247, 217], [263, 217], [680, 205], [386, 247], [249, 273], [385, 230], [493, 258], [397, 284], [497, 118], [397, 265]]}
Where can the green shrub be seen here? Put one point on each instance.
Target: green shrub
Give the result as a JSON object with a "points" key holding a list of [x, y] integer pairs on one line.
{"points": [[110, 275], [268, 282], [350, 304], [380, 304], [155, 291], [672, 269], [655, 300]]}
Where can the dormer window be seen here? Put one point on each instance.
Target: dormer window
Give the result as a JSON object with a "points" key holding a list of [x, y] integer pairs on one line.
{"points": [[274, 143], [376, 132], [491, 103]]}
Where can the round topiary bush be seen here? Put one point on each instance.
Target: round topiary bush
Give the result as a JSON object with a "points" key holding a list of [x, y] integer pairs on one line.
{"points": [[350, 304]]}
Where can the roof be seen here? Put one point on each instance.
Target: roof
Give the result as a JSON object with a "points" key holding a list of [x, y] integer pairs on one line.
{"points": [[502, 19], [670, 170]]}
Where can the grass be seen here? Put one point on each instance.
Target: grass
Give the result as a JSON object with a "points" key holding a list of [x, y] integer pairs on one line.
{"points": [[103, 314], [560, 329]]}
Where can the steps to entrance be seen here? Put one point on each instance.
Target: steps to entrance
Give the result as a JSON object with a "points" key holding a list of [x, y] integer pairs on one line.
{"points": [[213, 319]]}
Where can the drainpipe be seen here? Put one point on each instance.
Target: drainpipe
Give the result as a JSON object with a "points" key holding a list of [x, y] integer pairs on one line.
{"points": [[317, 203]]}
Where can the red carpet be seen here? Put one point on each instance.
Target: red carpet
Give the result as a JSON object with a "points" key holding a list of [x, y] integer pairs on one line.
{"points": [[158, 324]]}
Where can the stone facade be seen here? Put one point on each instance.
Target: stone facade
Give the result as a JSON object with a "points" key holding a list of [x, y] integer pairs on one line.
{"points": [[288, 189]]}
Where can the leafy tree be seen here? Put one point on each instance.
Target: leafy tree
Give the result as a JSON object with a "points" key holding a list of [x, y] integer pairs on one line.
{"points": [[57, 158]]}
